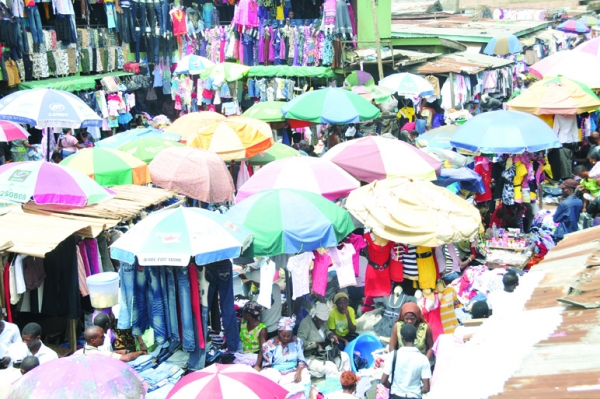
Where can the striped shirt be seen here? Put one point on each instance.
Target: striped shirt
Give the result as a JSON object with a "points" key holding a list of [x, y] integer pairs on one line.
{"points": [[448, 299], [449, 261], [409, 261]]}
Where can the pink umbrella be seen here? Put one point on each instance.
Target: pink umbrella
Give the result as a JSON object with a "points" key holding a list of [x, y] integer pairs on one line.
{"points": [[10, 131], [194, 172], [232, 381], [302, 173], [576, 65], [591, 47]]}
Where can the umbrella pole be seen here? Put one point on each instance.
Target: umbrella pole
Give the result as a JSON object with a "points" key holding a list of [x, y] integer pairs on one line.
{"points": [[47, 144], [288, 292]]}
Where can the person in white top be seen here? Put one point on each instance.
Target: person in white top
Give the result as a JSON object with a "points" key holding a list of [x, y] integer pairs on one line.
{"points": [[348, 380], [32, 337], [102, 320], [501, 302], [9, 334], [94, 338], [10, 375], [407, 372]]}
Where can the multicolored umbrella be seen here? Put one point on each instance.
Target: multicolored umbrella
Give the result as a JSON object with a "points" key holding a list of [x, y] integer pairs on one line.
{"points": [[188, 125], [577, 65], [508, 132], [573, 26], [438, 137], [119, 139], [266, 111], [231, 381], [193, 172], [556, 96], [49, 183], [376, 158], [147, 149], [312, 174], [503, 44], [291, 221], [83, 376], [407, 84], [588, 21], [10, 131], [109, 167], [414, 211], [170, 237], [329, 105], [234, 138], [276, 152], [193, 64], [590, 46], [363, 84], [225, 72], [468, 179], [48, 108]]}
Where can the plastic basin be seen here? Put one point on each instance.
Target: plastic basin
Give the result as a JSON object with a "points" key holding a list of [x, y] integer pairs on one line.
{"points": [[365, 344], [104, 289]]}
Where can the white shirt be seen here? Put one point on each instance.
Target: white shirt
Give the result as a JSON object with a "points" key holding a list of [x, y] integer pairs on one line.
{"points": [[90, 350], [44, 354], [501, 302], [7, 378], [299, 266], [411, 367], [106, 346], [9, 336], [566, 128], [344, 266], [340, 395]]}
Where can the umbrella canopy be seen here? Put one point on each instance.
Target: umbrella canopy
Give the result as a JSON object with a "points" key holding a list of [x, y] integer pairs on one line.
{"points": [[193, 172], [329, 105], [120, 139], [468, 179], [85, 376], [556, 96], [359, 78], [188, 125], [573, 26], [276, 152], [266, 111], [226, 381], [10, 131], [407, 84], [453, 158], [414, 212], [363, 84], [291, 221], [376, 158], [49, 183], [577, 65], [439, 137], [503, 45], [48, 108], [225, 72], [234, 138], [193, 64], [109, 167], [509, 132], [590, 46], [303, 173], [146, 149], [170, 237], [588, 21]]}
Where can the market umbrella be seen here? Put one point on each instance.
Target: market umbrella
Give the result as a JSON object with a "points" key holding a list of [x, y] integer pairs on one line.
{"points": [[291, 221], [276, 152], [227, 381], [49, 183], [337, 106], [234, 138], [119, 139], [468, 179], [188, 125], [10, 131], [556, 96], [590, 46], [170, 237], [577, 65], [193, 64], [363, 84], [414, 212], [407, 84], [573, 26], [146, 149], [452, 157], [225, 72], [588, 21], [266, 111], [509, 132], [438, 137], [503, 44], [312, 174], [84, 376], [376, 158], [109, 167], [193, 172]]}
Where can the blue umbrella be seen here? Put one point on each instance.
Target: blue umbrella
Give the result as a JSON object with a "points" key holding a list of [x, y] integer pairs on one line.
{"points": [[407, 84], [573, 26], [439, 137], [509, 132], [468, 179], [120, 139], [503, 45]]}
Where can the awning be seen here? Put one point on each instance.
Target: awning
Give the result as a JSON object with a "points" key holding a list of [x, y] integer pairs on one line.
{"points": [[291, 71], [466, 62], [69, 83]]}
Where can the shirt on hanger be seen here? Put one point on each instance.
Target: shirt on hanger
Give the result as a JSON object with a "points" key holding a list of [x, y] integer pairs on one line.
{"points": [[299, 266]]}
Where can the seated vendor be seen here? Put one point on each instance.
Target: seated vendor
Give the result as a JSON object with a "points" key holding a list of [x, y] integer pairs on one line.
{"points": [[342, 320], [94, 339], [411, 314], [315, 334], [253, 333]]}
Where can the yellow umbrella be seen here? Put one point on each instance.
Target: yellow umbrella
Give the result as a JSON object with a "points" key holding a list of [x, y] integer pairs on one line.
{"points": [[414, 211], [235, 138], [187, 126]]}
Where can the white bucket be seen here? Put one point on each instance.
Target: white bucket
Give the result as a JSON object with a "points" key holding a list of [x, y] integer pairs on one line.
{"points": [[104, 289]]}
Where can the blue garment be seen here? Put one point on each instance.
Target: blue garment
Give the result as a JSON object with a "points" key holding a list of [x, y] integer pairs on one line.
{"points": [[35, 24], [567, 214], [273, 354], [180, 275], [219, 277], [197, 359], [252, 92], [126, 276], [139, 312], [420, 125], [162, 13], [207, 9], [158, 313]]}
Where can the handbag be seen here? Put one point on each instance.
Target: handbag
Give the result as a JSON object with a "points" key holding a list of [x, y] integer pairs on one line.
{"points": [[329, 355]]}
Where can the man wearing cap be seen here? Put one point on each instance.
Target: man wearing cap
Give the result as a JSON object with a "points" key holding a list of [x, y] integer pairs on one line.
{"points": [[568, 211], [342, 320]]}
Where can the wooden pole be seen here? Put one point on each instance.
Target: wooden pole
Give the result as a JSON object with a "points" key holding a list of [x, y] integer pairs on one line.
{"points": [[377, 39], [451, 77], [73, 335]]}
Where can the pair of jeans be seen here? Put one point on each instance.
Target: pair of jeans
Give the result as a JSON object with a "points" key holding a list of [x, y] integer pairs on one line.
{"points": [[35, 23], [219, 277], [197, 358], [162, 15], [127, 25], [138, 39], [22, 43], [160, 312], [178, 291], [141, 303], [126, 274]]}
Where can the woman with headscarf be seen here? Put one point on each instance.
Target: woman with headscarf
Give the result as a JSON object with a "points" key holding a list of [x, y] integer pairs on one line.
{"points": [[411, 314], [253, 333], [315, 334]]}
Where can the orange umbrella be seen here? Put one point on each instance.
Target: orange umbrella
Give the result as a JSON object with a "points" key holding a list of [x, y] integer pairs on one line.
{"points": [[187, 126]]}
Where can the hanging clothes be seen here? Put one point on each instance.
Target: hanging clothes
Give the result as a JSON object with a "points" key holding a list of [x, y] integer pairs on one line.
{"points": [[426, 267]]}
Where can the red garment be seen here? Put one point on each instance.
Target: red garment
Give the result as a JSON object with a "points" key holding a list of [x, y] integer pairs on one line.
{"points": [[179, 23], [378, 282], [486, 175], [396, 267], [296, 124], [433, 317], [7, 292], [378, 254], [196, 304], [319, 272], [358, 242], [368, 304]]}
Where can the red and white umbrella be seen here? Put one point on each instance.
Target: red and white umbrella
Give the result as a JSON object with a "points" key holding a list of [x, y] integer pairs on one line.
{"points": [[231, 381], [10, 131]]}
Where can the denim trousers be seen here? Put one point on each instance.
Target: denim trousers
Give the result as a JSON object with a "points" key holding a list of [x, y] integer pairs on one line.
{"points": [[22, 43], [159, 314], [185, 304], [35, 23], [142, 301], [219, 277], [162, 13], [126, 274], [138, 39], [127, 25], [197, 358]]}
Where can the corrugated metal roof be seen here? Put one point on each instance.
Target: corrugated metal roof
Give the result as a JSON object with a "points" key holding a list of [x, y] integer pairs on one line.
{"points": [[462, 62], [404, 7]]}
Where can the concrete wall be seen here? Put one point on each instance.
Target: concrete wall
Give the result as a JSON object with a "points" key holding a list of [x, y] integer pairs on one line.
{"points": [[492, 4]]}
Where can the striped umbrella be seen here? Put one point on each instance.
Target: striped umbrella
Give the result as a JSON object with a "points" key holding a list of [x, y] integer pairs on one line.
{"points": [[503, 45], [10, 131], [119, 139], [589, 21], [188, 125], [109, 167], [577, 65], [276, 152], [573, 26], [147, 149], [407, 84], [590, 46], [266, 111]]}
